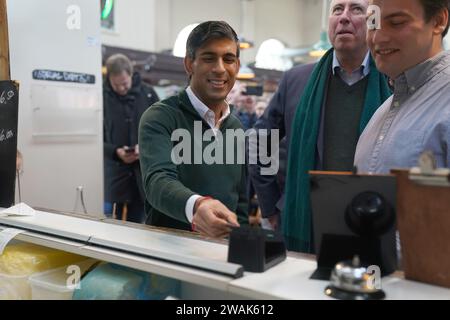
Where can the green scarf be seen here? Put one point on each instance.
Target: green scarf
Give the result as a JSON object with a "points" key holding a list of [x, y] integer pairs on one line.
{"points": [[297, 225]]}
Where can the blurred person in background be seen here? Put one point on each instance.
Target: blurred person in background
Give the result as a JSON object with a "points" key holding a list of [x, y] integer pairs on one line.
{"points": [[261, 106], [125, 98], [244, 105]]}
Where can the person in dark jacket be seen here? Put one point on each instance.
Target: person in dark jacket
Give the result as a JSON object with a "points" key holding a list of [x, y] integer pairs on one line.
{"points": [[125, 100]]}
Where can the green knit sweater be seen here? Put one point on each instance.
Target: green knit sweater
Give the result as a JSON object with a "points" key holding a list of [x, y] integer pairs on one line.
{"points": [[167, 185]]}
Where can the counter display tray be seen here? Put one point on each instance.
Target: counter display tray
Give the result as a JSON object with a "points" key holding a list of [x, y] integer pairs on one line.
{"points": [[164, 246]]}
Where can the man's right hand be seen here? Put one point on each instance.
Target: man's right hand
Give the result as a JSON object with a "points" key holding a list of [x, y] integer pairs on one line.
{"points": [[213, 219], [127, 157]]}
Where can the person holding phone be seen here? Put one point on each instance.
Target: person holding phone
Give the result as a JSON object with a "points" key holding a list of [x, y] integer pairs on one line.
{"points": [[125, 100]]}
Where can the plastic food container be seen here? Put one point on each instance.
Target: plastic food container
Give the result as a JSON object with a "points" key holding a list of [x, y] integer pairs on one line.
{"points": [[19, 261], [58, 284]]}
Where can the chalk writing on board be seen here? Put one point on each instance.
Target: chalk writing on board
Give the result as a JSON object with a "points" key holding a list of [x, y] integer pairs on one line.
{"points": [[6, 96], [6, 135], [63, 76]]}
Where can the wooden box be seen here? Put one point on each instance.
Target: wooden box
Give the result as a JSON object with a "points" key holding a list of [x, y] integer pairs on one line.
{"points": [[423, 217]]}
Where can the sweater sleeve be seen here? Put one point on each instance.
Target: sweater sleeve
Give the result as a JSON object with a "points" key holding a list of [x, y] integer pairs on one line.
{"points": [[162, 188]]}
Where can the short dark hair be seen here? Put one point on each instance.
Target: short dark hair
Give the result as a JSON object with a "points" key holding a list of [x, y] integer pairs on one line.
{"points": [[117, 63], [433, 7], [207, 31]]}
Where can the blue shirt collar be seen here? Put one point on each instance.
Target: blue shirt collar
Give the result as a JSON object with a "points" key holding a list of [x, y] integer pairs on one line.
{"points": [[365, 67]]}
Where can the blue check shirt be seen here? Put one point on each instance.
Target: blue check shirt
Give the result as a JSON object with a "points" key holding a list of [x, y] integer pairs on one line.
{"points": [[415, 119]]}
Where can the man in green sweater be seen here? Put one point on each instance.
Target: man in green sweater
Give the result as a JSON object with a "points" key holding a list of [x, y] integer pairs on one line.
{"points": [[187, 185]]}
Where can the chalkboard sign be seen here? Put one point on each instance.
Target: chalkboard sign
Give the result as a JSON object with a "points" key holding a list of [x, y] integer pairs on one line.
{"points": [[9, 102], [63, 76]]}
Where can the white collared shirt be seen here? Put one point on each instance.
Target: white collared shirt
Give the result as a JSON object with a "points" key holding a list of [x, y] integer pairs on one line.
{"points": [[208, 115]]}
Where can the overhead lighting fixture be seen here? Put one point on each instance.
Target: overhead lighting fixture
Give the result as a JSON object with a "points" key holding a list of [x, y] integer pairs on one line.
{"points": [[246, 19], [245, 44], [245, 73], [321, 47], [179, 48]]}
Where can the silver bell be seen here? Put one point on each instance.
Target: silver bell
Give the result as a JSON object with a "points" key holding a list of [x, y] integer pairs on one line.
{"points": [[351, 281]]}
